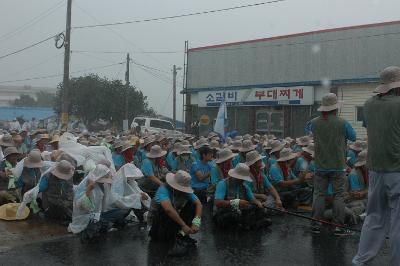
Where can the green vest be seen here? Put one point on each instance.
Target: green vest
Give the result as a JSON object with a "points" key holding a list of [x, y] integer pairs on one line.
{"points": [[382, 115], [330, 143]]}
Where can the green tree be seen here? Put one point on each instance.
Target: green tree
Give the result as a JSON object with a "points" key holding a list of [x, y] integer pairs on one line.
{"points": [[92, 98], [24, 100]]}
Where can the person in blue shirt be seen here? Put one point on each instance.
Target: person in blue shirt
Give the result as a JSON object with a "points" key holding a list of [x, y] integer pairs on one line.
{"points": [[276, 147], [353, 151], [117, 156], [141, 154], [31, 173], [153, 170], [201, 173], [223, 163], [176, 213], [301, 143], [57, 192], [288, 185], [262, 188], [235, 147], [185, 159], [171, 157], [236, 205]]}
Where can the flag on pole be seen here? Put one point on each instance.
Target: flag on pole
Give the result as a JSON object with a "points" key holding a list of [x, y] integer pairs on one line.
{"points": [[219, 126]]}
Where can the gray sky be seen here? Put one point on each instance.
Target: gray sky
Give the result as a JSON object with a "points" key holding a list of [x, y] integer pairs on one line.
{"points": [[291, 16]]}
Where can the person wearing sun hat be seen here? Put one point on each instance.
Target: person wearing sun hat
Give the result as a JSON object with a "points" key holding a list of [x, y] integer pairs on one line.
{"points": [[31, 172], [117, 156], [127, 152], [140, 154], [382, 120], [94, 211], [236, 205], [330, 133], [276, 147], [57, 192], [176, 213], [197, 145], [7, 177], [201, 172], [185, 159], [247, 146], [262, 188], [172, 156], [356, 186], [235, 147], [55, 140], [223, 163], [286, 183], [154, 170], [301, 142], [353, 151]]}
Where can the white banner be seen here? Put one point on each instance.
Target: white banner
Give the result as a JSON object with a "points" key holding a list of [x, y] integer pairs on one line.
{"points": [[302, 95]]}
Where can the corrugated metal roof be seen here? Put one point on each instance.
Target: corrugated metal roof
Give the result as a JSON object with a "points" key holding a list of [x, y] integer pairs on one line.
{"points": [[347, 54]]}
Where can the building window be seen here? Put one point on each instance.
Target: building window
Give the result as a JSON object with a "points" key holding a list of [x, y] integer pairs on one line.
{"points": [[359, 114]]}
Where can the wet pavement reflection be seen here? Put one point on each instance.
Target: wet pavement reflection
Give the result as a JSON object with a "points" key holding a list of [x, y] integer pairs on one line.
{"points": [[287, 242]]}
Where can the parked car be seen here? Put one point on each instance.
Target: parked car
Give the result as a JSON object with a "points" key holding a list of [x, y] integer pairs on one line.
{"points": [[154, 125]]}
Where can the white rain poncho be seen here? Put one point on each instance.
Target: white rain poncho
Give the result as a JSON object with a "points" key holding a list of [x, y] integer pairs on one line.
{"points": [[125, 190], [82, 153], [90, 208]]}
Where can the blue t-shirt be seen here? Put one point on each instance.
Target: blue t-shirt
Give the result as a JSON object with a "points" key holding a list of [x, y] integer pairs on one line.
{"points": [[214, 174], [353, 158], [196, 154], [221, 191], [236, 160], [354, 182], [300, 166], [266, 183], [147, 168], [118, 160], [164, 194], [171, 161], [204, 169], [276, 174]]}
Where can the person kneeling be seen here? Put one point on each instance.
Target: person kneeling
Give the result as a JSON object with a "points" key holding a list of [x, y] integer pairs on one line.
{"points": [[176, 213], [92, 214], [236, 206]]}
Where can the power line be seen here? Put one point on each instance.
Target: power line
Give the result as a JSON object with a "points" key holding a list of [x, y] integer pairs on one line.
{"points": [[28, 47], [59, 75], [121, 52], [179, 16], [151, 68], [32, 21]]}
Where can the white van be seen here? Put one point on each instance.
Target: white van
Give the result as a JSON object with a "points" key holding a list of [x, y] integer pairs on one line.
{"points": [[155, 125]]}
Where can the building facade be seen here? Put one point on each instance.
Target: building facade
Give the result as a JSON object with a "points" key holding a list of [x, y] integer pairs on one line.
{"points": [[9, 93], [275, 85]]}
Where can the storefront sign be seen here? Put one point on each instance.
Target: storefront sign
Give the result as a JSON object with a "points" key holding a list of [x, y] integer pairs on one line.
{"points": [[259, 96]]}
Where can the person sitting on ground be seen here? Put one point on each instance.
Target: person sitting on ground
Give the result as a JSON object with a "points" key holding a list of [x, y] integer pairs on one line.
{"points": [[197, 145], [301, 143], [247, 146], [223, 163], [154, 171], [236, 206], [127, 152], [353, 151], [276, 147], [41, 141], [31, 172], [288, 185], [54, 143], [93, 211], [117, 157], [176, 213], [140, 155], [235, 147], [171, 157], [261, 185], [185, 160], [57, 192], [8, 191], [356, 186], [201, 173]]}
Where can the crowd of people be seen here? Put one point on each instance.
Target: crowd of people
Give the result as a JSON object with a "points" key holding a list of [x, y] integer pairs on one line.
{"points": [[96, 182]]}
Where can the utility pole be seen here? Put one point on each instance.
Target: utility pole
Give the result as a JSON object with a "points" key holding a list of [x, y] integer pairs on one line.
{"points": [[174, 73], [125, 123], [67, 53]]}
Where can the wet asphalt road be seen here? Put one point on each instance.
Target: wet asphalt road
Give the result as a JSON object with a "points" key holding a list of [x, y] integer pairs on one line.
{"points": [[287, 242]]}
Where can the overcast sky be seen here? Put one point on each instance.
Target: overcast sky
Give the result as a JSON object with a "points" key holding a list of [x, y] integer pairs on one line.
{"points": [[290, 16]]}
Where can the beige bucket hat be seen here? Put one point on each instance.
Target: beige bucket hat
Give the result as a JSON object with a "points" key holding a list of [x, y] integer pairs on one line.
{"points": [[238, 138], [7, 141], [361, 159], [253, 157], [118, 144], [247, 146], [156, 152], [9, 211], [236, 145], [310, 149], [241, 171], [246, 136], [55, 138], [63, 170], [357, 145], [126, 146], [200, 143], [176, 147], [390, 79], [10, 150], [286, 155], [289, 140], [180, 181], [276, 145], [303, 141], [184, 149], [215, 145], [34, 160], [267, 145], [149, 140], [225, 155], [329, 103]]}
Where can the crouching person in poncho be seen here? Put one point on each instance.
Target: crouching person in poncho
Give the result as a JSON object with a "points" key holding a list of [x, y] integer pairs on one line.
{"points": [[92, 213], [176, 213], [236, 206]]}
